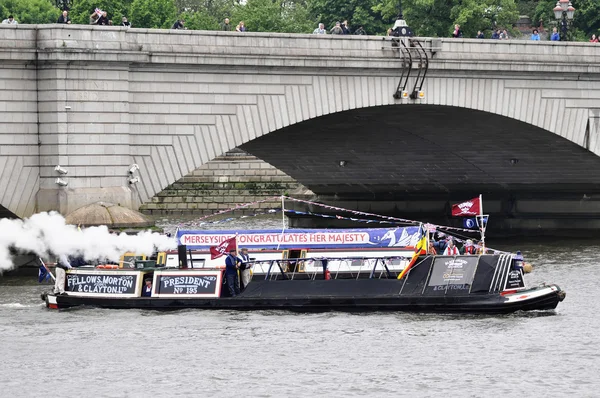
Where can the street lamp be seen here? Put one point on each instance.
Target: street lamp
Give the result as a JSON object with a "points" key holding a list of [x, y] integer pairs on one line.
{"points": [[564, 12], [400, 27]]}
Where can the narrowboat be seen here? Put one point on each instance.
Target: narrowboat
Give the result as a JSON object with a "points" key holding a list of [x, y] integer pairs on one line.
{"points": [[482, 284]]}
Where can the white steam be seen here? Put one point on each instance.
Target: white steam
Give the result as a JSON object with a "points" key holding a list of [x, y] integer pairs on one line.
{"points": [[47, 234]]}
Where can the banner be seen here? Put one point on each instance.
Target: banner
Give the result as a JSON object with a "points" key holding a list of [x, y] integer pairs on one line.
{"points": [[469, 208], [223, 248], [402, 237]]}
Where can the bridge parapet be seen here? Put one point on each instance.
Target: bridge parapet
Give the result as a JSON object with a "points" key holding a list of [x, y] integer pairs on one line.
{"points": [[97, 99]]}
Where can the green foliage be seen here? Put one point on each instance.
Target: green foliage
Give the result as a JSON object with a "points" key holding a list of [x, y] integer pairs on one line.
{"points": [[437, 17], [474, 15], [527, 7], [29, 11], [115, 9], [374, 15], [217, 9], [153, 13], [273, 16], [199, 20]]}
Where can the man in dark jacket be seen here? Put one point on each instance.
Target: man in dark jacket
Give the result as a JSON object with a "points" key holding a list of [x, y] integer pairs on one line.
{"points": [[360, 31], [225, 26], [179, 24], [232, 264], [64, 18], [103, 19]]}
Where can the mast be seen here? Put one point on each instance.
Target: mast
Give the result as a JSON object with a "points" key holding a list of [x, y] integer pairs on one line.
{"points": [[282, 220], [482, 225]]}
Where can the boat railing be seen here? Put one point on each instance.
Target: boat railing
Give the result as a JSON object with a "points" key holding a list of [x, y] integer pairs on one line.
{"points": [[282, 267]]}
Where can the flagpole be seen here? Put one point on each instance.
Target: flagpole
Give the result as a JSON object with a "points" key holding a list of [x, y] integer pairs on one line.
{"points": [[482, 227], [283, 213], [47, 269], [282, 220]]}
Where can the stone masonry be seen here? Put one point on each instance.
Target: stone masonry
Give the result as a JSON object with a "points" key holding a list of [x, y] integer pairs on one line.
{"points": [[96, 100], [223, 183]]}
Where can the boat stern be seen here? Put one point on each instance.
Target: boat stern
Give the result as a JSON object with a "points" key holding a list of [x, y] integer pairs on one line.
{"points": [[51, 300]]}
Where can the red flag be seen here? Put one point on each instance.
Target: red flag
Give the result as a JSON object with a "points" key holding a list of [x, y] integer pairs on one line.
{"points": [[469, 208], [224, 247]]}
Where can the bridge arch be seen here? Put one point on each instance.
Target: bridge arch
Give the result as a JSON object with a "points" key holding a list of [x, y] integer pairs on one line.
{"points": [[94, 100]]}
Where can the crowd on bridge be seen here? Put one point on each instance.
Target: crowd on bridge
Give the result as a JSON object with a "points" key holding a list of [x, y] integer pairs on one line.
{"points": [[100, 18]]}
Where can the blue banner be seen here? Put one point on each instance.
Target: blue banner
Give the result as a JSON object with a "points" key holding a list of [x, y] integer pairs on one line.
{"points": [[303, 238]]}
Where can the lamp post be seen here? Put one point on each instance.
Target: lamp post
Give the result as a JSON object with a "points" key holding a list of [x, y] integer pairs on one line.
{"points": [[564, 12], [400, 27]]}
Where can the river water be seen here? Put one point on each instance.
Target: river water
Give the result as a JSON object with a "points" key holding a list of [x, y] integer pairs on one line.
{"points": [[131, 353]]}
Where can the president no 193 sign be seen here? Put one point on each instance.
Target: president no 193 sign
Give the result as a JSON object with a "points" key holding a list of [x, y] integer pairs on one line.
{"points": [[178, 284]]}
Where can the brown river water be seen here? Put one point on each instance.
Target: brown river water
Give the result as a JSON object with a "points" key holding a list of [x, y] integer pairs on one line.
{"points": [[130, 353]]}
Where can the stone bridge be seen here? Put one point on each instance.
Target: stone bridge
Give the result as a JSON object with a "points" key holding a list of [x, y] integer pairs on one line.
{"points": [[515, 120]]}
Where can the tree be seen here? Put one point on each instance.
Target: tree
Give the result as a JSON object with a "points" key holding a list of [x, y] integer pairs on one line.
{"points": [[153, 13], [204, 14], [437, 17], [374, 15], [29, 11], [273, 16], [199, 20], [474, 15], [115, 9]]}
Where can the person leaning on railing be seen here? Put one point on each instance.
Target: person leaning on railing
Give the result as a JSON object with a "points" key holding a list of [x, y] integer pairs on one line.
{"points": [[10, 21]]}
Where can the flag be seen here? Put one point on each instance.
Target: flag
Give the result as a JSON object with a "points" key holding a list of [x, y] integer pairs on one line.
{"points": [[469, 208], [43, 274], [420, 249], [474, 223], [224, 247]]}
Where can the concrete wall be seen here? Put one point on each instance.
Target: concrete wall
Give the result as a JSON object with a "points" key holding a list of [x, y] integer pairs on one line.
{"points": [[170, 101], [224, 183]]}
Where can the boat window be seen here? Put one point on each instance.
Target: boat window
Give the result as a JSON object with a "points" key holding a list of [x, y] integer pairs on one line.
{"points": [[295, 266]]}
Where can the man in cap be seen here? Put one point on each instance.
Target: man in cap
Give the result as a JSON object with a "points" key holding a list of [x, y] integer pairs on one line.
{"points": [[62, 265], [232, 265], [245, 274], [147, 289]]}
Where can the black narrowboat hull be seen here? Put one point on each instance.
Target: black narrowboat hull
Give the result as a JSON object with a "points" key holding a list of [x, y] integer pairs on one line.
{"points": [[335, 295]]}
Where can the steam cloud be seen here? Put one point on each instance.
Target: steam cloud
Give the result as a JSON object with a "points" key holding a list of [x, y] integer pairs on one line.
{"points": [[47, 234]]}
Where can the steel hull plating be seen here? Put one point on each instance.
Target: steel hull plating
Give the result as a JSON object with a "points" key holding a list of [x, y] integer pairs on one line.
{"points": [[352, 296]]}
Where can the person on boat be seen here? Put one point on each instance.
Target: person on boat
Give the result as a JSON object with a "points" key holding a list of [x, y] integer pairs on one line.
{"points": [[147, 289], [451, 249], [479, 248], [431, 249], [469, 247], [245, 275], [442, 242], [232, 265], [62, 265], [518, 261]]}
